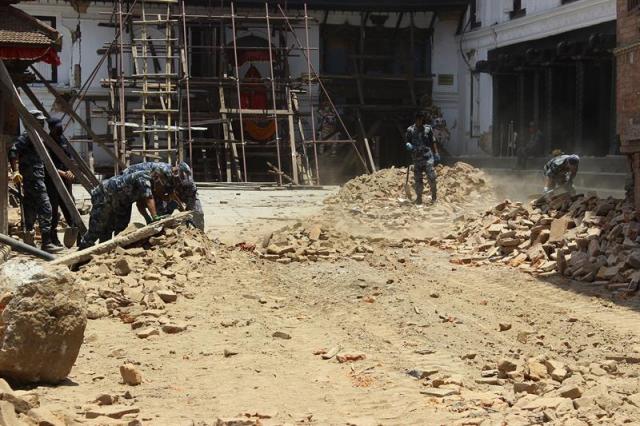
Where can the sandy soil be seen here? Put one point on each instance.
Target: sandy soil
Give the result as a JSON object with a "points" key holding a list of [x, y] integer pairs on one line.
{"points": [[405, 307]]}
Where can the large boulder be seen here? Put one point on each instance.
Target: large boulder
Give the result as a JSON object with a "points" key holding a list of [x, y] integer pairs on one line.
{"points": [[42, 320]]}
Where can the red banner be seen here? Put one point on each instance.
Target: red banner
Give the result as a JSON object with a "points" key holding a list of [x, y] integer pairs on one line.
{"points": [[48, 55]]}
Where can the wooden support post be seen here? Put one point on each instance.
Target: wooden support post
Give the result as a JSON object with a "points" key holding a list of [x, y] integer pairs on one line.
{"points": [[227, 131], [306, 166], [4, 172], [79, 168], [635, 166], [69, 110], [366, 141], [292, 140], [548, 137], [36, 134], [579, 111], [90, 158]]}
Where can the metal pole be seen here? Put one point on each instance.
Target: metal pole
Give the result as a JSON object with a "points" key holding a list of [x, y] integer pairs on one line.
{"points": [[123, 135], [235, 57], [273, 93], [309, 92], [25, 248], [324, 90], [187, 80]]}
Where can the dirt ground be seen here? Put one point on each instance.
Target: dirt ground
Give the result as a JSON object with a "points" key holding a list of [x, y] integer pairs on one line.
{"points": [[257, 330]]}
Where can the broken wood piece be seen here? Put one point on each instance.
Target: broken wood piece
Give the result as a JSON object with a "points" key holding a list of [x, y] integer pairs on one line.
{"points": [[124, 240]]}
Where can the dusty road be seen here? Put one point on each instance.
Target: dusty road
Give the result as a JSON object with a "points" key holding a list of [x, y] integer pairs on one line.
{"points": [[431, 335]]}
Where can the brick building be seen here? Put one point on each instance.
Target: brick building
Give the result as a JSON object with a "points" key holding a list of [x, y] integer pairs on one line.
{"points": [[628, 84]]}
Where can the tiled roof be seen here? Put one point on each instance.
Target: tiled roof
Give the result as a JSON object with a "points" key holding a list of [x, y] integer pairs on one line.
{"points": [[20, 28]]}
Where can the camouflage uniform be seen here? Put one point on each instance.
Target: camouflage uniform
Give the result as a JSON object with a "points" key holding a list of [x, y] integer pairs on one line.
{"points": [[111, 205], [163, 168], [187, 191], [423, 158], [35, 198], [556, 171]]}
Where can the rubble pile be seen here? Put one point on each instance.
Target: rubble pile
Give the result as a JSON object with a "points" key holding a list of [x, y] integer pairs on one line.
{"points": [[313, 242], [380, 199], [136, 283], [582, 237], [455, 184], [22, 407], [554, 391]]}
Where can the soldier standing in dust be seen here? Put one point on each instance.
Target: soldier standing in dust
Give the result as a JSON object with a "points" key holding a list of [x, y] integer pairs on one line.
{"points": [[420, 142]]}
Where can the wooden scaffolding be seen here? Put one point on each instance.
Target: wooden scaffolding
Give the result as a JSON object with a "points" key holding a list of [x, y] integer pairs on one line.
{"points": [[160, 110]]}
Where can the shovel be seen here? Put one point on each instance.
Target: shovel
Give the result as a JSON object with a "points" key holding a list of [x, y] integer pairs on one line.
{"points": [[407, 187]]}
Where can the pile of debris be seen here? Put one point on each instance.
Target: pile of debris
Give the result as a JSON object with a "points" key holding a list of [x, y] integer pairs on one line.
{"points": [[385, 198], [455, 184], [582, 237], [136, 283], [313, 242], [22, 407]]}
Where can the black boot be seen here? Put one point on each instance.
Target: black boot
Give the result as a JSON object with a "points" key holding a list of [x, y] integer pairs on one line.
{"points": [[419, 200], [47, 245], [54, 239]]}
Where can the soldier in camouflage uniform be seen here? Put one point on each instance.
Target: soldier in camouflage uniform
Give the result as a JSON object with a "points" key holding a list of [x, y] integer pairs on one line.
{"points": [[179, 185], [420, 142], [163, 171], [111, 204], [187, 192], [29, 172], [560, 171]]}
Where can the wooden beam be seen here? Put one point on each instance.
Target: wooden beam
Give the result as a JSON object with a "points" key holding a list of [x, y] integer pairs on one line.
{"points": [[36, 134], [366, 141], [4, 172], [69, 110], [79, 168], [123, 240], [292, 141]]}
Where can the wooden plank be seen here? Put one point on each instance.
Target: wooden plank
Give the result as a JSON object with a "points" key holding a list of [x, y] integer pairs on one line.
{"points": [[123, 240], [69, 110], [4, 171], [366, 141], [36, 134], [306, 166], [292, 141], [227, 129]]}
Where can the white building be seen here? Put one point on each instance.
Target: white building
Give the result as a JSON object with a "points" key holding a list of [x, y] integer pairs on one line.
{"points": [[539, 54]]}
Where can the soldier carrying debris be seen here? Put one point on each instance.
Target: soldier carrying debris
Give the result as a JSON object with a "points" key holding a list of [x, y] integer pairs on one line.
{"points": [[28, 172], [420, 142], [111, 204], [559, 173], [180, 191]]}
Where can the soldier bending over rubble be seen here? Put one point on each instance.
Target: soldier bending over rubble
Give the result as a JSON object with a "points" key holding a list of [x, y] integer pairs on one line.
{"points": [[559, 172], [180, 191], [111, 204]]}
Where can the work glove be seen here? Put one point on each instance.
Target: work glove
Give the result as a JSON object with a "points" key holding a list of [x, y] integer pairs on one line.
{"points": [[17, 178], [409, 147], [436, 159], [158, 217]]}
